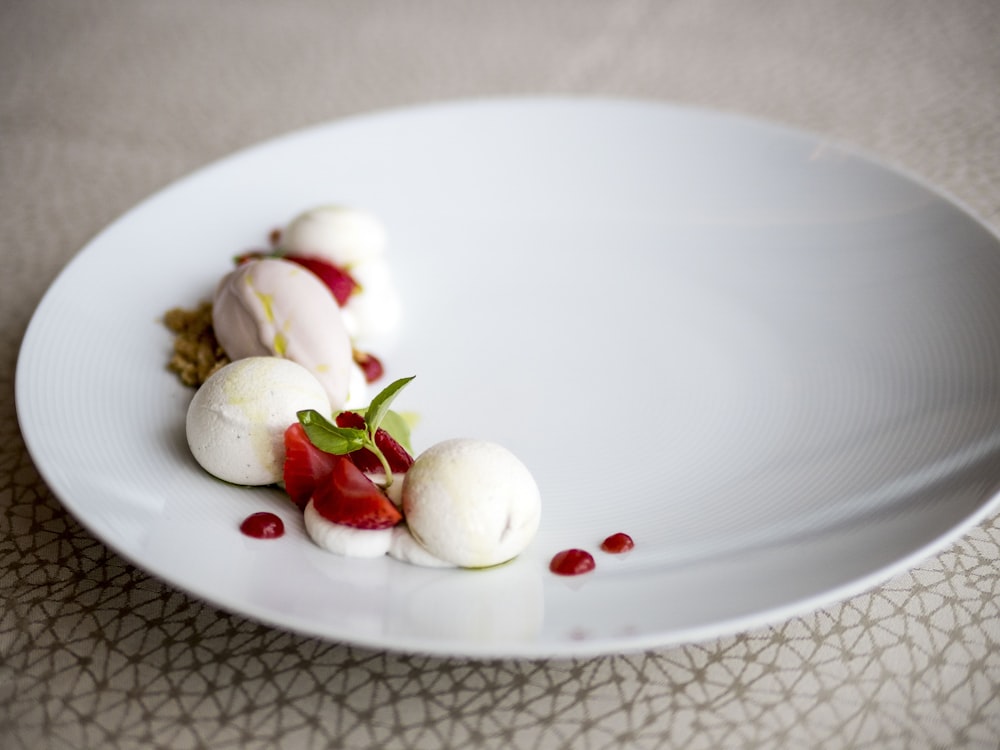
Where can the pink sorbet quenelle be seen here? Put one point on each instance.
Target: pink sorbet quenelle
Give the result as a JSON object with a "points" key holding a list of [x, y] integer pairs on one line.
{"points": [[274, 307]]}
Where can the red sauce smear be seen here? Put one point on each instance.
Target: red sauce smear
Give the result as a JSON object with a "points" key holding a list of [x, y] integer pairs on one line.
{"points": [[617, 543], [572, 562], [263, 526]]}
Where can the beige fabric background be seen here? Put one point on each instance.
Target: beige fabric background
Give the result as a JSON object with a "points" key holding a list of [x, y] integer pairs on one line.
{"points": [[103, 102]]}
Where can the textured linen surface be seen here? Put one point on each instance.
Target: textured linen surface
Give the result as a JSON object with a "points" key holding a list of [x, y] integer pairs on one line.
{"points": [[103, 102]]}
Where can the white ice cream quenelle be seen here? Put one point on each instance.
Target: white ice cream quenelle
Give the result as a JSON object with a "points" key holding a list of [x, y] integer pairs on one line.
{"points": [[341, 235], [355, 241], [237, 419], [276, 307], [471, 503], [345, 540]]}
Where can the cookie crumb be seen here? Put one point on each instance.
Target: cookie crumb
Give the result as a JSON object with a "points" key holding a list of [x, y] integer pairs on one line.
{"points": [[197, 353]]}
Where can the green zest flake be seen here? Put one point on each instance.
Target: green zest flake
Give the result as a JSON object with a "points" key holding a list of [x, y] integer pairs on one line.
{"points": [[280, 344], [267, 301], [379, 406]]}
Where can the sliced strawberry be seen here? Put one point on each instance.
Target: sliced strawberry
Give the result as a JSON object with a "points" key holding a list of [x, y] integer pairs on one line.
{"points": [[350, 498], [306, 466], [399, 460], [339, 281], [369, 364]]}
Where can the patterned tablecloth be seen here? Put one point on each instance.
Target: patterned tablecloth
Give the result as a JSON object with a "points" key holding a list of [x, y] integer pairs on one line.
{"points": [[103, 102]]}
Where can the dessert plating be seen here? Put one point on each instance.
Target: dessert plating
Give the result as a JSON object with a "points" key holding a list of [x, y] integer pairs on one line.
{"points": [[280, 362]]}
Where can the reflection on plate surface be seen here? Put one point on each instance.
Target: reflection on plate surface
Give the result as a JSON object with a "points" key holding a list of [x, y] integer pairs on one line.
{"points": [[771, 361]]}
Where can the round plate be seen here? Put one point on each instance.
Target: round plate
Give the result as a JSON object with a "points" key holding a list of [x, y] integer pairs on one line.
{"points": [[770, 360]]}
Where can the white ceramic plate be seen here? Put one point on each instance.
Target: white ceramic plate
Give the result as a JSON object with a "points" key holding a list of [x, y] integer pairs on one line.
{"points": [[771, 361]]}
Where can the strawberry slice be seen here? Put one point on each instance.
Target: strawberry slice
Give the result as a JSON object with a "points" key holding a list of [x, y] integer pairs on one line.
{"points": [[350, 498], [306, 466], [399, 460], [339, 281], [370, 365]]}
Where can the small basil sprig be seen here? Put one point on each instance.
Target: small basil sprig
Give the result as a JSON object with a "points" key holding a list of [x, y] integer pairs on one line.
{"points": [[340, 441], [379, 406]]}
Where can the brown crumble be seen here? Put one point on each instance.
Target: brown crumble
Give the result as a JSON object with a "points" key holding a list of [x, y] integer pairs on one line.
{"points": [[197, 353]]}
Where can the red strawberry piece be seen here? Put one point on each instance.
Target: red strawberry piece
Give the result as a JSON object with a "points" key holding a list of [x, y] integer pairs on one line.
{"points": [[306, 466], [339, 281], [399, 460], [369, 364], [352, 499]]}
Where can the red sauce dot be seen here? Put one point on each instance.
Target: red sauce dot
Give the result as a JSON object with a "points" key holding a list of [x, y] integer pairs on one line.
{"points": [[572, 562], [617, 543], [263, 526]]}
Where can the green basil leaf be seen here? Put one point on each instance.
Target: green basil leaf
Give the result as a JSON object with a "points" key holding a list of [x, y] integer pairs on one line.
{"points": [[327, 436], [379, 406]]}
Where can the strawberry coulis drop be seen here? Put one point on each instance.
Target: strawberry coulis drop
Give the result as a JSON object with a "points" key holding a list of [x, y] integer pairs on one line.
{"points": [[572, 562], [617, 543], [263, 525]]}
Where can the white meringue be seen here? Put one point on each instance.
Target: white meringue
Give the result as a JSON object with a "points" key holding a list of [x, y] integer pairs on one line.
{"points": [[345, 540], [237, 419], [471, 502]]}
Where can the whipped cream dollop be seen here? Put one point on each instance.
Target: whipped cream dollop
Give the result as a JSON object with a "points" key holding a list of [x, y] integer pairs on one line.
{"points": [[405, 548], [236, 421], [345, 540], [471, 503], [274, 307]]}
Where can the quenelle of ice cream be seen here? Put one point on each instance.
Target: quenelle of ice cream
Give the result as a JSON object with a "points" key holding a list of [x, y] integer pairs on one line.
{"points": [[237, 419], [341, 235], [471, 503], [355, 241], [276, 307]]}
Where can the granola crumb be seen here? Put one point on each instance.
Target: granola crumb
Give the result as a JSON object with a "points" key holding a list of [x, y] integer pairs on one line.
{"points": [[197, 353]]}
